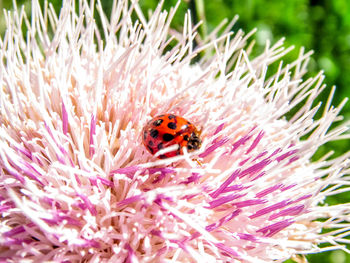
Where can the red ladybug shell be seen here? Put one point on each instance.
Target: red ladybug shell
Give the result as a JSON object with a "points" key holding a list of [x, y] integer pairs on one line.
{"points": [[168, 129]]}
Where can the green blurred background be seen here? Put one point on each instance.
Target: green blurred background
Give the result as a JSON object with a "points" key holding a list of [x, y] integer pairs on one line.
{"points": [[322, 26]]}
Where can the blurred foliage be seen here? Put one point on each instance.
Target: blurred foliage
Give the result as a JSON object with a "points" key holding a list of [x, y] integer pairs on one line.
{"points": [[322, 26]]}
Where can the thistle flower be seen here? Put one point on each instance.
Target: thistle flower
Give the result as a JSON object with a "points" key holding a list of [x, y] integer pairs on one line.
{"points": [[77, 184]]}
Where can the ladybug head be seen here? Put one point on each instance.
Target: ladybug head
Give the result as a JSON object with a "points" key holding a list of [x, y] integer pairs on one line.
{"points": [[194, 142]]}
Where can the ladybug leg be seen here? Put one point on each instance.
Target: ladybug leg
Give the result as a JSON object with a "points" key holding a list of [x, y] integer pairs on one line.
{"points": [[185, 152], [198, 162]]}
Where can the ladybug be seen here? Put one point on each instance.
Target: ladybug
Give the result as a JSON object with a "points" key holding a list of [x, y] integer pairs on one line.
{"points": [[169, 129]]}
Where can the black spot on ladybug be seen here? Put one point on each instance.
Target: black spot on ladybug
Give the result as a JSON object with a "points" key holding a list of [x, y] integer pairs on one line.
{"points": [[186, 137], [154, 133], [172, 125], [158, 122], [160, 146], [150, 143], [163, 156], [150, 149], [171, 116], [168, 137]]}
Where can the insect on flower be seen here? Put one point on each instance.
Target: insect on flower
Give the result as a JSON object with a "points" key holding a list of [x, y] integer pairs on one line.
{"points": [[167, 130], [75, 184]]}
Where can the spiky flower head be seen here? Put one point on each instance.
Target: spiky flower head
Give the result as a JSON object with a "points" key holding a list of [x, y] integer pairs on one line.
{"points": [[78, 185]]}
